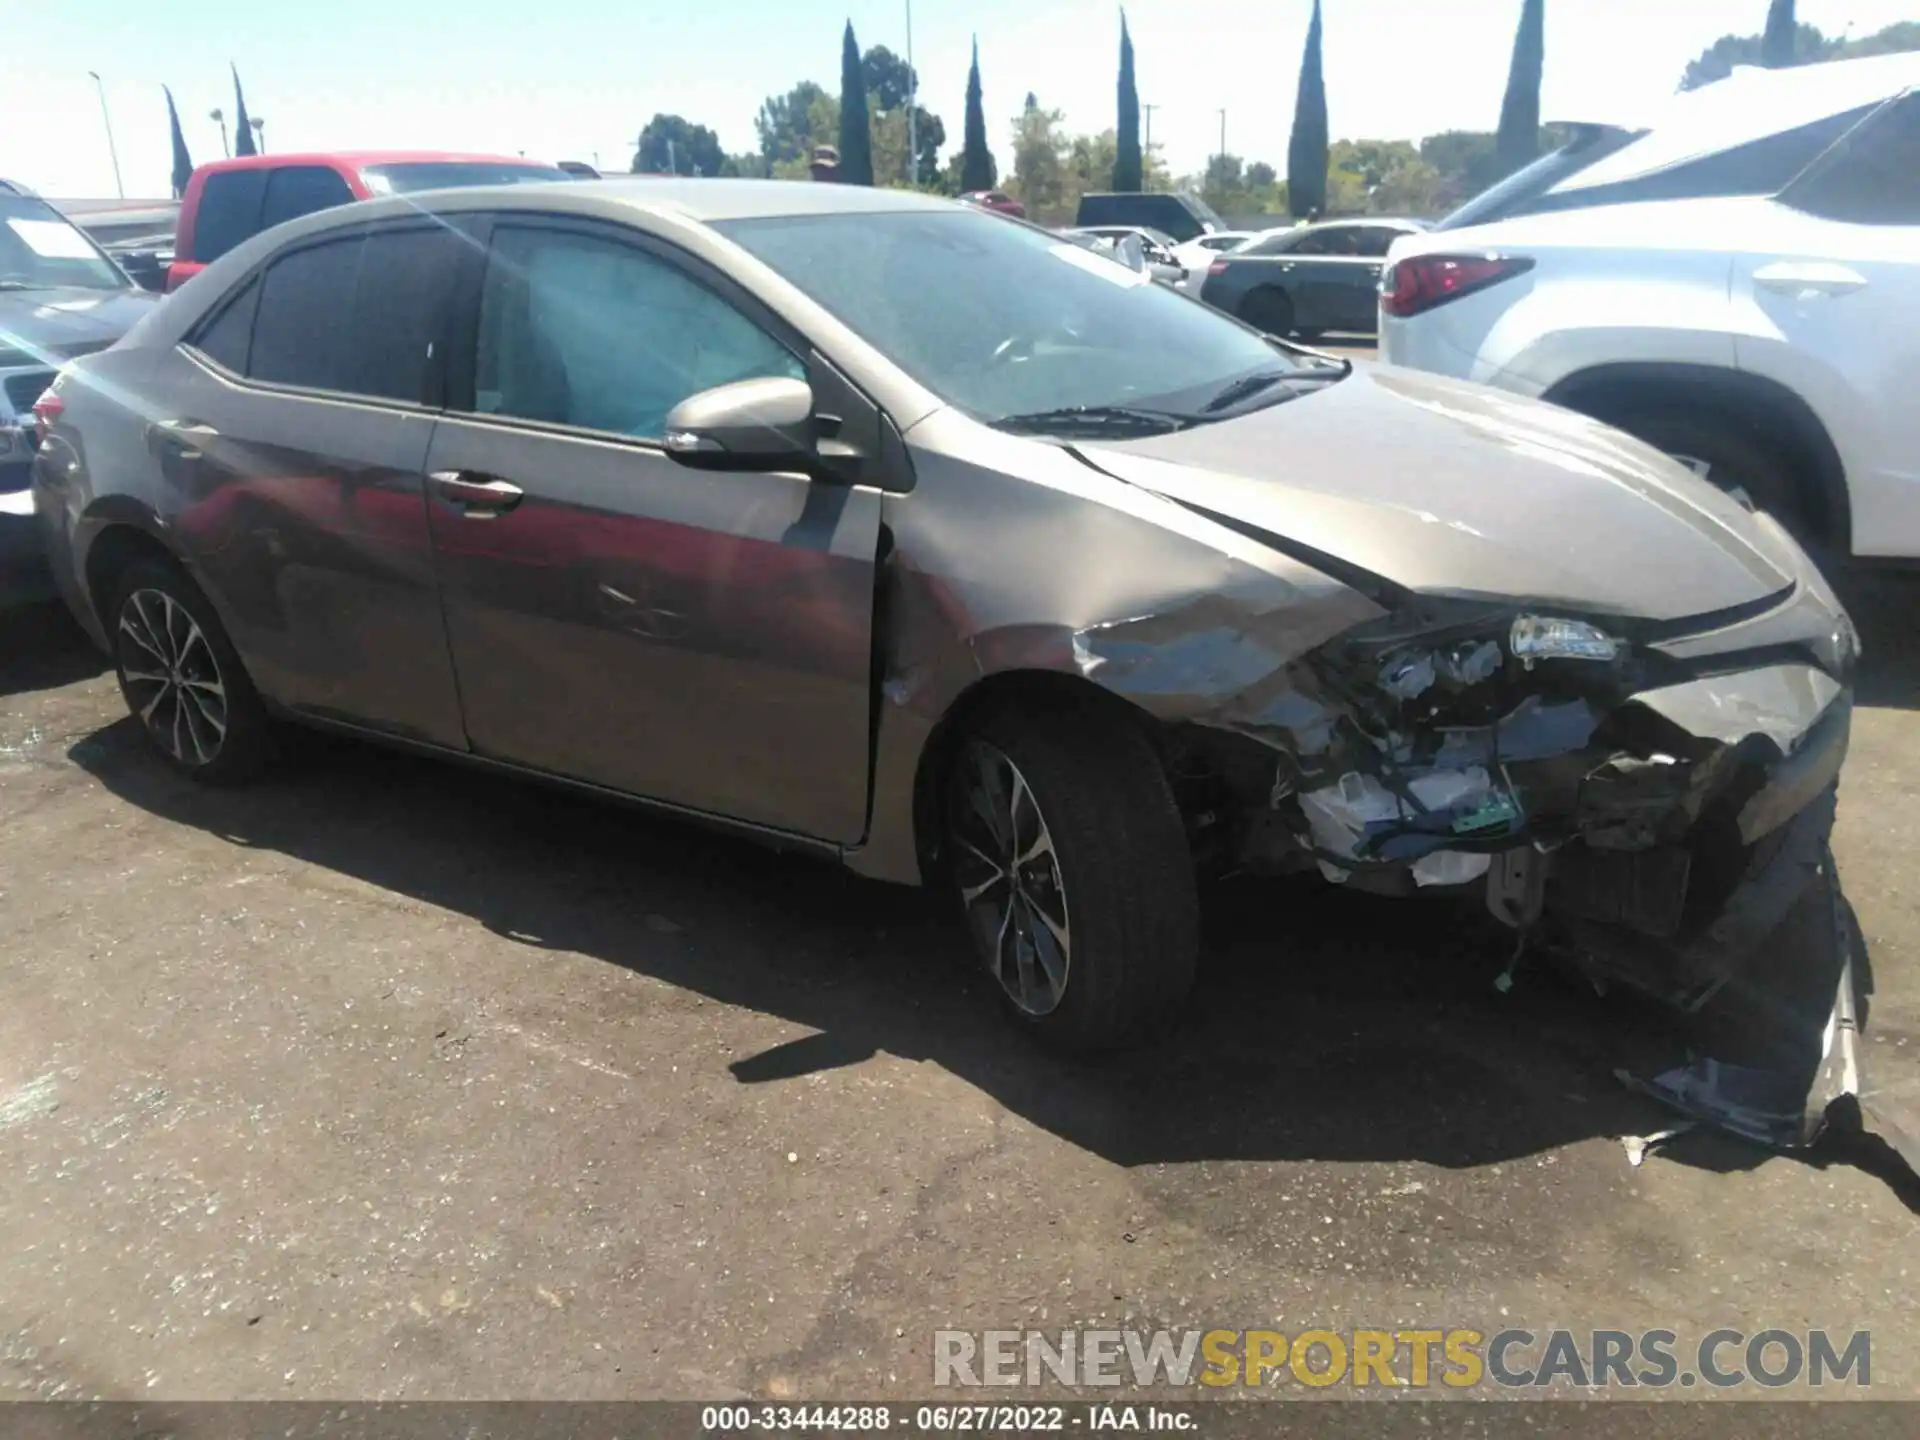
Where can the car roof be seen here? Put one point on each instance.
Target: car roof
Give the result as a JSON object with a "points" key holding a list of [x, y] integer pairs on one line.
{"points": [[1750, 104], [704, 201], [358, 158]]}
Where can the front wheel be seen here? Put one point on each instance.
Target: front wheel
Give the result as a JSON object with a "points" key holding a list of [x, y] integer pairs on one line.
{"points": [[1737, 457], [182, 678], [1074, 875]]}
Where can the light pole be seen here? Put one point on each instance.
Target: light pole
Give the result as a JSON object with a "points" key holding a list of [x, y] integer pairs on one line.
{"points": [[219, 117], [1146, 150], [107, 120], [913, 109], [1223, 135]]}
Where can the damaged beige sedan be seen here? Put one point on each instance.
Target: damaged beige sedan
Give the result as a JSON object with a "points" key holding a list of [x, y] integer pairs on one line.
{"points": [[878, 526]]}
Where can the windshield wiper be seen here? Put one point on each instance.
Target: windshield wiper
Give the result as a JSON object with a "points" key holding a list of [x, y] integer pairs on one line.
{"points": [[1247, 386], [1073, 418]]}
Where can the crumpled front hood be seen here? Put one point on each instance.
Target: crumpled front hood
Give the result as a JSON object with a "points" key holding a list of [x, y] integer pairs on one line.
{"points": [[63, 321], [1449, 488]]}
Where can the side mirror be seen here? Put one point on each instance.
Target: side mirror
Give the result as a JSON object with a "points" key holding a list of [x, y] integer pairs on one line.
{"points": [[748, 425]]}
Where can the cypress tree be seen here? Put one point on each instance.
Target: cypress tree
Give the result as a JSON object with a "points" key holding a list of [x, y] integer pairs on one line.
{"points": [[1519, 142], [1307, 151], [1127, 160], [856, 138], [1776, 47], [977, 170], [242, 127]]}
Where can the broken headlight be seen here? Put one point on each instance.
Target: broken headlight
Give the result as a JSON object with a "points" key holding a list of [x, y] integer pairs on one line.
{"points": [[1539, 637]]}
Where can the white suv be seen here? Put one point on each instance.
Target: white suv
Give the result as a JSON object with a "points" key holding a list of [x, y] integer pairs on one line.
{"points": [[1735, 280]]}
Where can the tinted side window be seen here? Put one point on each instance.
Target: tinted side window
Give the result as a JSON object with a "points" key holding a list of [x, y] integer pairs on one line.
{"points": [[300, 190], [580, 330], [359, 315], [229, 212], [1280, 243], [1318, 243], [1761, 167], [1873, 178], [1376, 240], [226, 336]]}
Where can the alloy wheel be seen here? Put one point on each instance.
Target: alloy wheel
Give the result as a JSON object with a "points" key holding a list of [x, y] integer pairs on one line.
{"points": [[1009, 879], [172, 677]]}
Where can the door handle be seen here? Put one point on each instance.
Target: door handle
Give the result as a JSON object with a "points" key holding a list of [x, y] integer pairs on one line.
{"points": [[1810, 279], [183, 437], [481, 497]]}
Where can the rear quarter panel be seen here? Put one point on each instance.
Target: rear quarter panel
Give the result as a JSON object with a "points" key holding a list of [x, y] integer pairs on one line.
{"points": [[1611, 285]]}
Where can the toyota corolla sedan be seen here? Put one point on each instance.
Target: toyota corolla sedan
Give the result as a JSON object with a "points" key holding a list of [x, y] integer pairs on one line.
{"points": [[889, 529]]}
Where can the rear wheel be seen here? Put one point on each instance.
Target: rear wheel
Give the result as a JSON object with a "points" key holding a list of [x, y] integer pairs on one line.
{"points": [[182, 678], [1269, 310], [1742, 459], [1073, 872]]}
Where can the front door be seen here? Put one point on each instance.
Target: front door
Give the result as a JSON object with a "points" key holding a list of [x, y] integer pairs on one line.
{"points": [[696, 637]]}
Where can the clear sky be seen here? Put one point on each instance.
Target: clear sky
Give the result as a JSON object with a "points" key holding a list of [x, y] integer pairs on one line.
{"points": [[569, 79]]}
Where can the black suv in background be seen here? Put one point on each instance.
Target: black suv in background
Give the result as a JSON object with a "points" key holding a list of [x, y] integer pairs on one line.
{"points": [[1184, 217]]}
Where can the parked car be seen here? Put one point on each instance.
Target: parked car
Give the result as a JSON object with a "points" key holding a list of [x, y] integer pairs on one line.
{"points": [[1307, 280], [867, 524], [1201, 251], [1156, 248], [1182, 217], [996, 200], [60, 296], [228, 201], [1735, 280]]}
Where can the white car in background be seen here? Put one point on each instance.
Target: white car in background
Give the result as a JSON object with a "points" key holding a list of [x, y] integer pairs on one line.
{"points": [[1735, 280], [1203, 250]]}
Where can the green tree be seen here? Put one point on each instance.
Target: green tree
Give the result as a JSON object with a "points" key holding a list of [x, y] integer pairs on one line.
{"points": [[1900, 38], [182, 161], [1777, 44], [785, 124], [856, 128], [242, 126], [1039, 162], [1307, 151], [1519, 135], [977, 170], [1127, 160], [1718, 60], [674, 145], [1260, 175]]}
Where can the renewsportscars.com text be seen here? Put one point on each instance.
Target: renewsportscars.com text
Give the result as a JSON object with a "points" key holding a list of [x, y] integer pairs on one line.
{"points": [[1405, 1358]]}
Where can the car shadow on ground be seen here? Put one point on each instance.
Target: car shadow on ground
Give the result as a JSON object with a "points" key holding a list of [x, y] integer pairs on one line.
{"points": [[1884, 603], [1326, 1025], [41, 648]]}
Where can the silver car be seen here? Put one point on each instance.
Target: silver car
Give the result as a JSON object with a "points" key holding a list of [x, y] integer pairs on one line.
{"points": [[892, 530]]}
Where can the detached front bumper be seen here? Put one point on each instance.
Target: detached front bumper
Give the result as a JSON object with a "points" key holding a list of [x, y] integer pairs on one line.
{"points": [[1685, 862]]}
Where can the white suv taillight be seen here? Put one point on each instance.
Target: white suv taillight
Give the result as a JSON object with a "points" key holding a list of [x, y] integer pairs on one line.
{"points": [[1420, 282]]}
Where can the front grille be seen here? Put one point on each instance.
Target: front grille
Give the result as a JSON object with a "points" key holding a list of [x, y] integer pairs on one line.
{"points": [[23, 390]]}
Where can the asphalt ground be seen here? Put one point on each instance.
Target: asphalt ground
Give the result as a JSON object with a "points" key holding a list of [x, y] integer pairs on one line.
{"points": [[384, 1079]]}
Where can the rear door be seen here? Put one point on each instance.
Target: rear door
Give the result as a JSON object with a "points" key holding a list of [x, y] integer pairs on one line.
{"points": [[697, 637], [1828, 287], [292, 429], [1336, 276]]}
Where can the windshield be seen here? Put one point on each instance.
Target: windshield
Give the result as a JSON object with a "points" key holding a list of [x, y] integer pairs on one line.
{"points": [[1003, 319], [41, 250], [1590, 145], [405, 178]]}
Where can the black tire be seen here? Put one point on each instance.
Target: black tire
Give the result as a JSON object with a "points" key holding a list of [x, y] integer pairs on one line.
{"points": [[182, 679], [1739, 457], [1269, 310], [1114, 878]]}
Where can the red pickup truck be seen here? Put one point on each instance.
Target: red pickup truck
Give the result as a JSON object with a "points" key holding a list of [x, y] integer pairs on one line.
{"points": [[228, 201]]}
